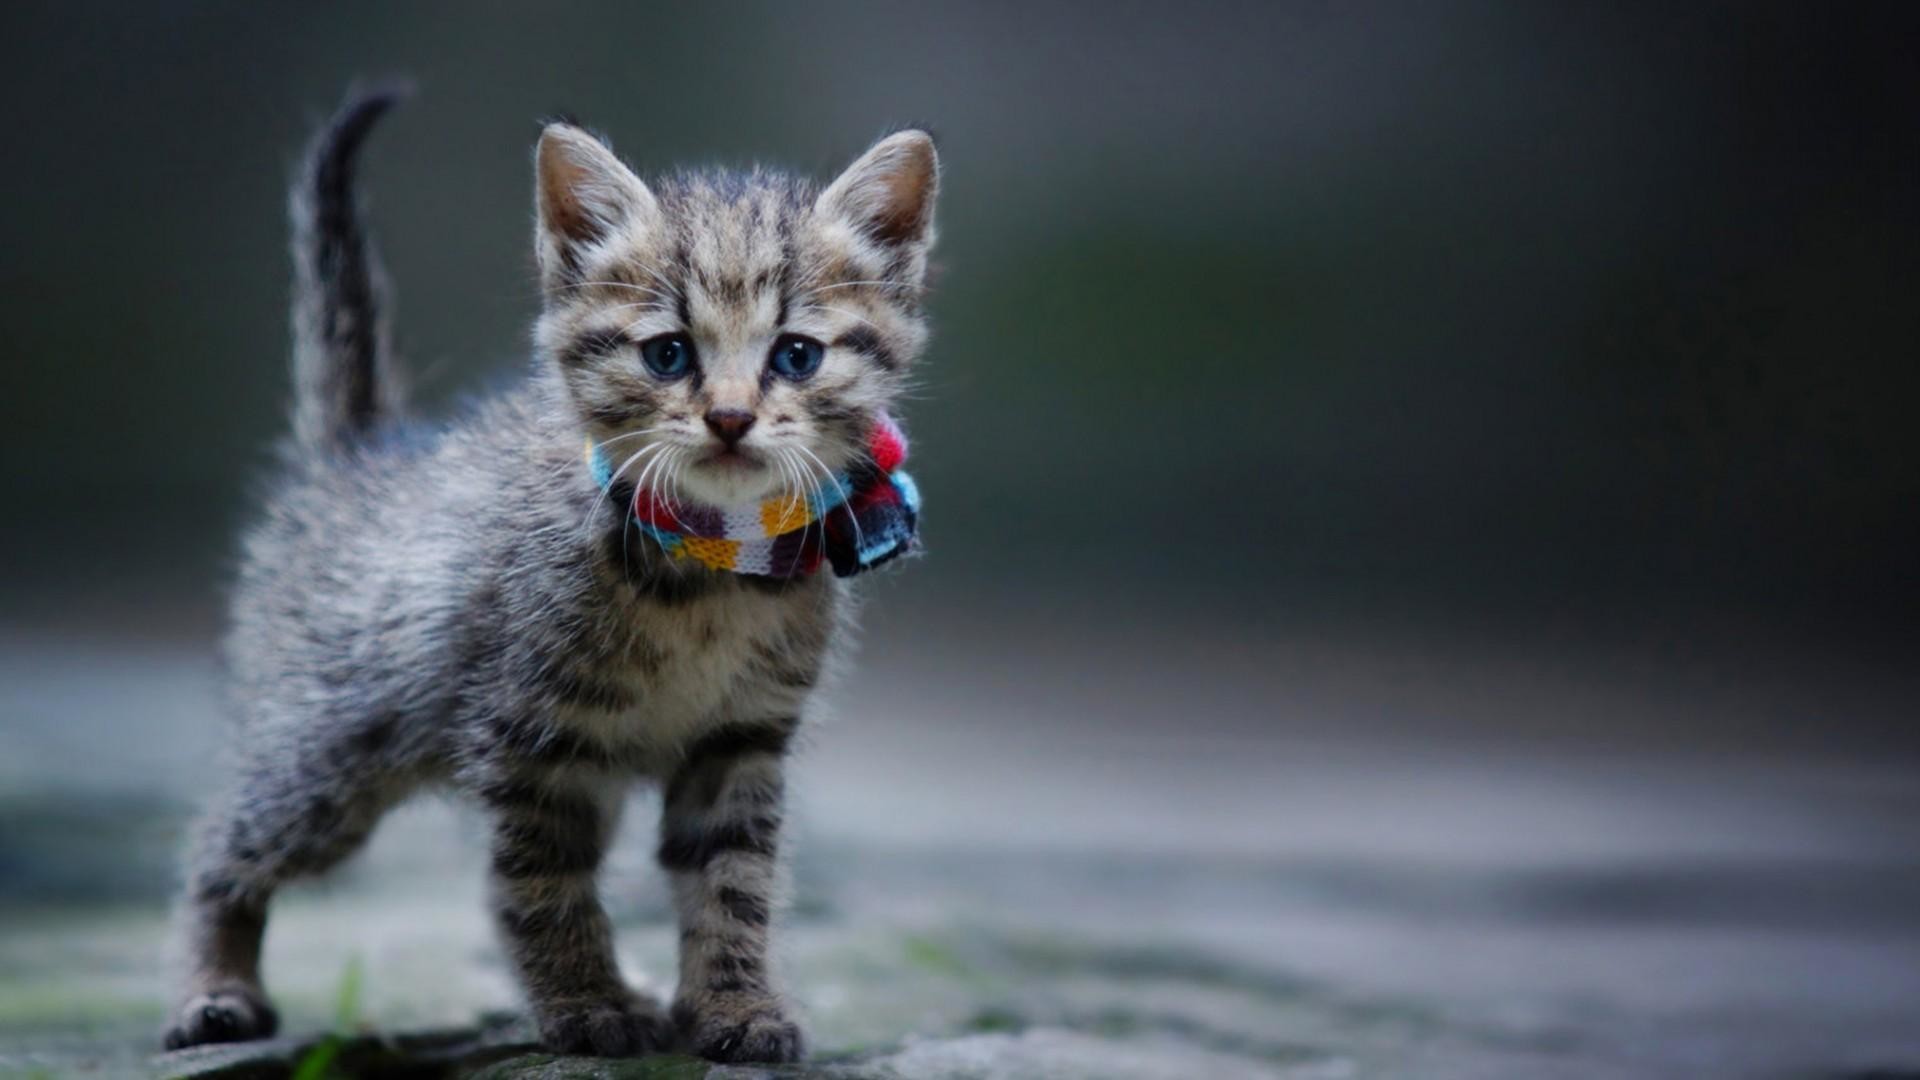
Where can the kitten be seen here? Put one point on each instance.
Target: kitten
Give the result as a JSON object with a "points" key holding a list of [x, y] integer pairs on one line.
{"points": [[489, 608]]}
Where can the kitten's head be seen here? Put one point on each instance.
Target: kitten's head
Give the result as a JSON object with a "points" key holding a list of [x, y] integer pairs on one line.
{"points": [[726, 337]]}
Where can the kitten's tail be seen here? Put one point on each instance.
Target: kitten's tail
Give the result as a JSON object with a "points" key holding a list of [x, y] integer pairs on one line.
{"points": [[344, 380]]}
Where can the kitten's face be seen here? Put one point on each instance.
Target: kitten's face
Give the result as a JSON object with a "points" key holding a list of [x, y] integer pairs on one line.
{"points": [[729, 338]]}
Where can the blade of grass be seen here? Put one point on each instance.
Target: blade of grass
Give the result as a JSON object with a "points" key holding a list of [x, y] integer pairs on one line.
{"points": [[317, 1063]]}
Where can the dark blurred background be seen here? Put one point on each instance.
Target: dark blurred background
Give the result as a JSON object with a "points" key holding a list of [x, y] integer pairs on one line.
{"points": [[1434, 378], [1509, 318]]}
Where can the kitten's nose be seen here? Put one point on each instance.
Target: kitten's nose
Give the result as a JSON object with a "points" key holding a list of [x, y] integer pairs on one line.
{"points": [[729, 424]]}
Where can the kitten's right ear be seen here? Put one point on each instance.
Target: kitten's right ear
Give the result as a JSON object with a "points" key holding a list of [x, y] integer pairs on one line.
{"points": [[586, 195]]}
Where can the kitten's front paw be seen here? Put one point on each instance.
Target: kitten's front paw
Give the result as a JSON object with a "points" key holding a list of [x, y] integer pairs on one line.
{"points": [[629, 1028], [733, 1028], [230, 1014]]}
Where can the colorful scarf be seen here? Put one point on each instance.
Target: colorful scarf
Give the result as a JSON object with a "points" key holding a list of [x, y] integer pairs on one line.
{"points": [[854, 522]]}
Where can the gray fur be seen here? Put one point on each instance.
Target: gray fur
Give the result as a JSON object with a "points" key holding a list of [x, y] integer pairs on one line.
{"points": [[463, 608], [344, 375]]}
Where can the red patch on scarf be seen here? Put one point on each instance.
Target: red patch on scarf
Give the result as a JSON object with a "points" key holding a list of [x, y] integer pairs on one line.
{"points": [[886, 445]]}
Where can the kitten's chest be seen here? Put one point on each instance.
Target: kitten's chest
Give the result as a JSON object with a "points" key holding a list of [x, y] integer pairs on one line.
{"points": [[737, 652]]}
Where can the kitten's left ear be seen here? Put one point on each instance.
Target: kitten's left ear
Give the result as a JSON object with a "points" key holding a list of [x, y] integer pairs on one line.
{"points": [[888, 194]]}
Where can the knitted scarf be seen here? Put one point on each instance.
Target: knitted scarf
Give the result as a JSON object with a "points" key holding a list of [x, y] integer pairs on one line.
{"points": [[855, 521]]}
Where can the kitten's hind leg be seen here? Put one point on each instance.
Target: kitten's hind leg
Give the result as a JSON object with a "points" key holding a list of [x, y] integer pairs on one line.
{"points": [[278, 825]]}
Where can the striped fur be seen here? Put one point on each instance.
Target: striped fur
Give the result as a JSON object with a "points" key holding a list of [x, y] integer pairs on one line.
{"points": [[719, 838], [463, 608], [345, 382]]}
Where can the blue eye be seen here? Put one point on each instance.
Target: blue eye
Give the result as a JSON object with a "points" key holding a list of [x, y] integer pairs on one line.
{"points": [[668, 356], [795, 357]]}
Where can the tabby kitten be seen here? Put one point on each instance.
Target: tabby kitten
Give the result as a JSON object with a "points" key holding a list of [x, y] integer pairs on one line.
{"points": [[488, 607]]}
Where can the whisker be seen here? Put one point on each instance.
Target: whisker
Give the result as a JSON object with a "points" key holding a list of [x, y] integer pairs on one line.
{"points": [[595, 447], [607, 491], [811, 492], [670, 485], [840, 311], [633, 435], [801, 488], [628, 329], [656, 305], [651, 271], [776, 458], [854, 284], [626, 541], [680, 460], [654, 477], [642, 484], [790, 462], [629, 286], [570, 463], [792, 478], [846, 498], [639, 489]]}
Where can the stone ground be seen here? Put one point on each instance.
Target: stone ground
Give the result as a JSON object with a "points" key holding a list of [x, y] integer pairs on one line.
{"points": [[992, 890]]}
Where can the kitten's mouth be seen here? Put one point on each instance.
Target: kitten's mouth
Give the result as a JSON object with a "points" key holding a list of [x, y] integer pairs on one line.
{"points": [[732, 458]]}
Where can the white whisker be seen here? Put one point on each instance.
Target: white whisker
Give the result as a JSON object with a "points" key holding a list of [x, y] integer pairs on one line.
{"points": [[854, 284], [792, 478], [608, 285], [607, 490], [840, 311], [655, 305], [672, 485], [570, 464], [643, 484], [632, 435], [790, 464], [646, 548], [651, 271], [846, 497]]}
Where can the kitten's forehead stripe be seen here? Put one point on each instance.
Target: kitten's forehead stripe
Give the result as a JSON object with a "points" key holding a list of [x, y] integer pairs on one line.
{"points": [[734, 235]]}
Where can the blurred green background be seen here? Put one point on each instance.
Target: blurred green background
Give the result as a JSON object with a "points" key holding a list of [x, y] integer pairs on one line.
{"points": [[1462, 312]]}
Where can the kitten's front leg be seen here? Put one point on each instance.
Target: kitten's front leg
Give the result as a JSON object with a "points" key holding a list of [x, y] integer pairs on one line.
{"points": [[719, 835], [547, 844]]}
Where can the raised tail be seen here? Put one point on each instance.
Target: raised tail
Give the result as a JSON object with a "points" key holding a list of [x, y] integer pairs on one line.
{"points": [[344, 382]]}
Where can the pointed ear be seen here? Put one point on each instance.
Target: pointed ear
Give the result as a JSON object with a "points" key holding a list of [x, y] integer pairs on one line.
{"points": [[888, 194], [585, 195]]}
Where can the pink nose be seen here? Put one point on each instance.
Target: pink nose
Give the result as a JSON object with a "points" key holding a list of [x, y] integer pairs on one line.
{"points": [[730, 425]]}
